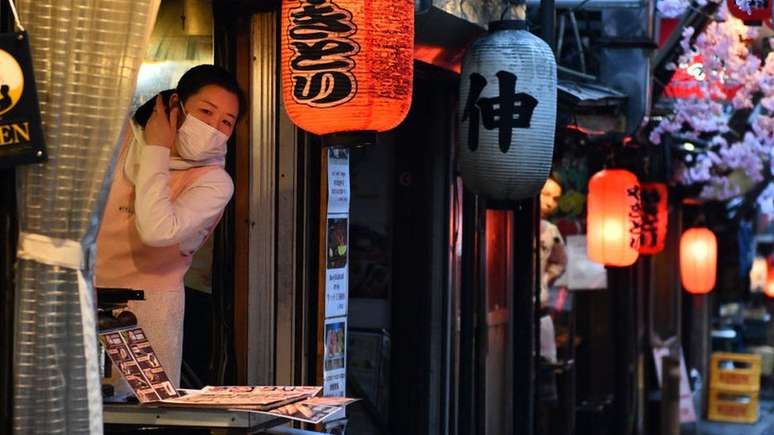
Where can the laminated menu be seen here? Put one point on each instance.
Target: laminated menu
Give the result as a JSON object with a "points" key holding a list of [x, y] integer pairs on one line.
{"points": [[243, 397], [132, 354]]}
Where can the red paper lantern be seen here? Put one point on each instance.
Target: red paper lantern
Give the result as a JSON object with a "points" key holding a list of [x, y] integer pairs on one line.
{"points": [[698, 260], [760, 10], [347, 65], [769, 288], [654, 199], [613, 217]]}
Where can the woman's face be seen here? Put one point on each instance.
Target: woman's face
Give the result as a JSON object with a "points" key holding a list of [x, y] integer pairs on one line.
{"points": [[214, 106]]}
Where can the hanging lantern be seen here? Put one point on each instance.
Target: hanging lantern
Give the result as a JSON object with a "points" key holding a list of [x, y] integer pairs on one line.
{"points": [[653, 227], [347, 65], [760, 11], [613, 217], [769, 288], [698, 260], [508, 112]]}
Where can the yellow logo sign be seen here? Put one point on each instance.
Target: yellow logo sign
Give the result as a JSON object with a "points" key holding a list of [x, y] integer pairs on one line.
{"points": [[11, 82]]}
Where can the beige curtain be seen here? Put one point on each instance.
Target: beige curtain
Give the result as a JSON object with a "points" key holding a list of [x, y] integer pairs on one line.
{"points": [[86, 55]]}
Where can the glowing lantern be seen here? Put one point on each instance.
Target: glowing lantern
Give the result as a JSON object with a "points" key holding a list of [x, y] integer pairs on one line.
{"points": [[760, 11], [347, 65], [769, 289], [653, 229], [613, 217], [698, 260], [508, 112]]}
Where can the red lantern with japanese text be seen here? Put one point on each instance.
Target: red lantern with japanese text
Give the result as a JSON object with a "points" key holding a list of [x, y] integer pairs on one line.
{"points": [[613, 217], [653, 228], [347, 65], [760, 11], [698, 260]]}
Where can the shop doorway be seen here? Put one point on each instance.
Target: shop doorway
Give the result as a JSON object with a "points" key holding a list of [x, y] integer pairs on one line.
{"points": [[401, 268]]}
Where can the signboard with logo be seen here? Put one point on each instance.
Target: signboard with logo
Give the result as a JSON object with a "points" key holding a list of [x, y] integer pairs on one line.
{"points": [[21, 135]]}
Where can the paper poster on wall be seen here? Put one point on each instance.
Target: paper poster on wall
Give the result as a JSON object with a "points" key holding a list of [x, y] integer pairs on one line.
{"points": [[336, 266], [581, 273], [335, 357], [338, 181]]}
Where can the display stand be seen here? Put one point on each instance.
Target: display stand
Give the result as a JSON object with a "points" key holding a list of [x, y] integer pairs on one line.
{"points": [[217, 420]]}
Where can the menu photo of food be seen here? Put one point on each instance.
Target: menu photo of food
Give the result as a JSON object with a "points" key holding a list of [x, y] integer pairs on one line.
{"points": [[334, 345], [338, 230]]}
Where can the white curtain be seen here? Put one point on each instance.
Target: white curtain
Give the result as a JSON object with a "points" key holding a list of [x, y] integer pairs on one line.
{"points": [[86, 55]]}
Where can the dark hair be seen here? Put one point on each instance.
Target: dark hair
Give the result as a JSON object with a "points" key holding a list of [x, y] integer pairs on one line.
{"points": [[556, 178], [189, 84]]}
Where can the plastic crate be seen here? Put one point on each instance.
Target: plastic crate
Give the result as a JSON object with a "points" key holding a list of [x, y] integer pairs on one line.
{"points": [[739, 372], [732, 406]]}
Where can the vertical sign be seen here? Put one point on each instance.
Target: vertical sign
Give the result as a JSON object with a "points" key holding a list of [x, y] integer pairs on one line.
{"points": [[337, 234], [687, 410], [336, 273]]}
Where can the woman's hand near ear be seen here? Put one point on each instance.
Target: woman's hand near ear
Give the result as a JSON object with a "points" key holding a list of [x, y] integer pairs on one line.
{"points": [[161, 129]]}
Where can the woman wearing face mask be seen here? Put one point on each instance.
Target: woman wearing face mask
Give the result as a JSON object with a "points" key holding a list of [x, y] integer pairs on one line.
{"points": [[168, 192]]}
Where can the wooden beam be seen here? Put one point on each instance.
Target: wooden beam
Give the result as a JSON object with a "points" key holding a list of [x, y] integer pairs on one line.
{"points": [[241, 204]]}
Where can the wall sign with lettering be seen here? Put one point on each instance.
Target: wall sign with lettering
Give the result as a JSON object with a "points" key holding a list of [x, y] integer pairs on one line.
{"points": [[21, 135]]}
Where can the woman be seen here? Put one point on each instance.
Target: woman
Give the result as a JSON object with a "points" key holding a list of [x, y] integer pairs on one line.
{"points": [[168, 192]]}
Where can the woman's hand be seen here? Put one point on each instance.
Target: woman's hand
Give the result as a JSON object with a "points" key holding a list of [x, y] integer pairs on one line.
{"points": [[161, 128]]}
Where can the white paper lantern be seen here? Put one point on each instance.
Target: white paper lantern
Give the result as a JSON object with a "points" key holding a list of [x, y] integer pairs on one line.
{"points": [[508, 112]]}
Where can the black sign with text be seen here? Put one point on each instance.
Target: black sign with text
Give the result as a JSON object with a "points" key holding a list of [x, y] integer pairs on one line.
{"points": [[21, 135]]}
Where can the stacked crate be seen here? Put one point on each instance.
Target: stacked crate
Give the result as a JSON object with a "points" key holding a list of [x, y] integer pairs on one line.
{"points": [[735, 381]]}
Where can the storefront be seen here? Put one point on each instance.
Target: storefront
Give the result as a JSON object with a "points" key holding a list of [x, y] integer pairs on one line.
{"points": [[381, 266]]}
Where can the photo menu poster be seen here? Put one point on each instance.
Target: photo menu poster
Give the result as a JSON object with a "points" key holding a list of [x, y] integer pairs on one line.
{"points": [[335, 357], [132, 354], [336, 266]]}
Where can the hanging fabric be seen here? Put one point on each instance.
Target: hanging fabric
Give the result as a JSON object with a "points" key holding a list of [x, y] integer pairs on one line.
{"points": [[86, 55]]}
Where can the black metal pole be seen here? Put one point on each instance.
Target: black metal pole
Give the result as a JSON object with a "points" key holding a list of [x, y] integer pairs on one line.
{"points": [[622, 306], [524, 315], [548, 22], [470, 254]]}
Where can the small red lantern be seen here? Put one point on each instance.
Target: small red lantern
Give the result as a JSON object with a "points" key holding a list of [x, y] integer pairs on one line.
{"points": [[760, 11], [698, 260], [613, 216], [347, 65], [653, 229], [769, 289]]}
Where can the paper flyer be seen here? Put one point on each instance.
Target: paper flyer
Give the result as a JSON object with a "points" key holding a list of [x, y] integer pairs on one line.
{"points": [[581, 273], [335, 357], [338, 181]]}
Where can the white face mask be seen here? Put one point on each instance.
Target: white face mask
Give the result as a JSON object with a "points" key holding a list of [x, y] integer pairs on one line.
{"points": [[197, 140]]}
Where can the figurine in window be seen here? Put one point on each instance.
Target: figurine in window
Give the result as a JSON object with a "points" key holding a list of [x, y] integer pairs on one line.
{"points": [[553, 261]]}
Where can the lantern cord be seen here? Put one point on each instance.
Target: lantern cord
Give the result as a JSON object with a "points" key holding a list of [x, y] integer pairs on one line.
{"points": [[514, 9], [16, 19]]}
